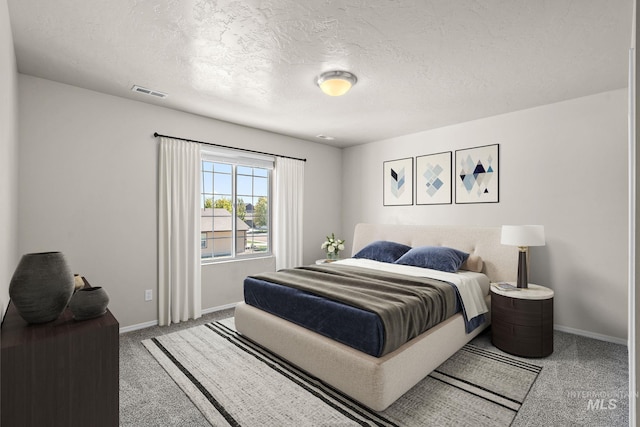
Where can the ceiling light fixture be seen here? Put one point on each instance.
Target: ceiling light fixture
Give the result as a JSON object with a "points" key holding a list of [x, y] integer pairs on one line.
{"points": [[336, 83]]}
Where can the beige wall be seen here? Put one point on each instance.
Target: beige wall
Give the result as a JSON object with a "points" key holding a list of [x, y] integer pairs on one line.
{"points": [[8, 157], [87, 174], [562, 165]]}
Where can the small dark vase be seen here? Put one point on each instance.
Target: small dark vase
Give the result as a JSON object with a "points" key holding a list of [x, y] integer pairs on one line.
{"points": [[41, 286], [88, 303]]}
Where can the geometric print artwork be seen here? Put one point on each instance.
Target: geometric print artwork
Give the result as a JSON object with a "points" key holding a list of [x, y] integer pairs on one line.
{"points": [[477, 175], [398, 182], [432, 175], [433, 181]]}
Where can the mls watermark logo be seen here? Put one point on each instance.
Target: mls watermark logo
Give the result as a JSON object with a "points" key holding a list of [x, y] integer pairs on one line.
{"points": [[600, 404], [599, 400]]}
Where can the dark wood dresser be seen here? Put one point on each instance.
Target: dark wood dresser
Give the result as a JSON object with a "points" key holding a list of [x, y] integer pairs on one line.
{"points": [[60, 373], [522, 321]]}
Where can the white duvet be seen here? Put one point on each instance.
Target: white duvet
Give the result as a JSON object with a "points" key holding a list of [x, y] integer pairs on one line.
{"points": [[473, 287]]}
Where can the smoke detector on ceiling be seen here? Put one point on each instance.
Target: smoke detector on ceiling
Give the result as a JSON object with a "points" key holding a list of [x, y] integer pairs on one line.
{"points": [[149, 92]]}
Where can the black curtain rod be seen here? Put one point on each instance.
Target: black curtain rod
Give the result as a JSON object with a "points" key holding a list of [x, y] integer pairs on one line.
{"points": [[156, 134]]}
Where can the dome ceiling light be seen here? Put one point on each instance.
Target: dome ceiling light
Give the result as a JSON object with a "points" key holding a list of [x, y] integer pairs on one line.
{"points": [[336, 83]]}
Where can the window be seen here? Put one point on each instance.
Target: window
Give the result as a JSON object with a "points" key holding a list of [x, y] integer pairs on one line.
{"points": [[235, 206]]}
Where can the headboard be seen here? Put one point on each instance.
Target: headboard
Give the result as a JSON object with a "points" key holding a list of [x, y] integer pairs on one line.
{"points": [[500, 261]]}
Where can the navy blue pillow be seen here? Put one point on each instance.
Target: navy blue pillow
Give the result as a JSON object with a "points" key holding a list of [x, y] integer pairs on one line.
{"points": [[434, 257], [383, 251]]}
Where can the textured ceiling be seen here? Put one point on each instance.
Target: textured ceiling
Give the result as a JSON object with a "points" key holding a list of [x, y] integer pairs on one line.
{"points": [[420, 64]]}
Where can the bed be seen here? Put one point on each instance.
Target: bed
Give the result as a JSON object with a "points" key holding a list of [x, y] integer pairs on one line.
{"points": [[378, 380]]}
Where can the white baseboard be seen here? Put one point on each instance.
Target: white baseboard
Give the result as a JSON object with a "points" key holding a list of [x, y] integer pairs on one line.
{"points": [[155, 322], [593, 335], [219, 308], [138, 326]]}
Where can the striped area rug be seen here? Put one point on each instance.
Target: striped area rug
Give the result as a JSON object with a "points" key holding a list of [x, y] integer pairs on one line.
{"points": [[235, 382]]}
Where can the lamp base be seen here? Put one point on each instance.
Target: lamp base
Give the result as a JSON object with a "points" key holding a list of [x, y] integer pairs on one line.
{"points": [[523, 279]]}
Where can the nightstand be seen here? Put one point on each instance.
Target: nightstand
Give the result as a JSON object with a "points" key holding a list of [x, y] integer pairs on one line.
{"points": [[522, 320]]}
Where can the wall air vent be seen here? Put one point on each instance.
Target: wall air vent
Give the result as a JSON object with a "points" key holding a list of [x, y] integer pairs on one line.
{"points": [[149, 92]]}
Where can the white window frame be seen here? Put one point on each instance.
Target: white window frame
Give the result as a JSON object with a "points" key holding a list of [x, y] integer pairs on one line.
{"points": [[237, 158]]}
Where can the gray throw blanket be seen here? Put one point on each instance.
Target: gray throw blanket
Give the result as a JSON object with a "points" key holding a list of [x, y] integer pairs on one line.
{"points": [[406, 305]]}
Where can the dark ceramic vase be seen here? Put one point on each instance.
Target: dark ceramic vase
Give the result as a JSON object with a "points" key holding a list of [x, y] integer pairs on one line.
{"points": [[88, 303], [41, 286]]}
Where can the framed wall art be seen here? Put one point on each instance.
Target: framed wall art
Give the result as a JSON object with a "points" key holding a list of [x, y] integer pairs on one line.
{"points": [[477, 174], [397, 182], [433, 179]]}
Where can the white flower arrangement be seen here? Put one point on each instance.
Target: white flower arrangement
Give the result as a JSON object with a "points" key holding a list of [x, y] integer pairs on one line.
{"points": [[333, 246]]}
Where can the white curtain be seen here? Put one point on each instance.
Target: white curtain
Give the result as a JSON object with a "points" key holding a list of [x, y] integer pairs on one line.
{"points": [[179, 296], [288, 213]]}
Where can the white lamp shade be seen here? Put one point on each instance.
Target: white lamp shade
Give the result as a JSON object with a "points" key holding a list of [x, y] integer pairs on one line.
{"points": [[335, 87], [523, 235]]}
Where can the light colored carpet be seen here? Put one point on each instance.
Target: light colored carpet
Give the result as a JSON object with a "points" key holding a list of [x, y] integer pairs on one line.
{"points": [[234, 382]]}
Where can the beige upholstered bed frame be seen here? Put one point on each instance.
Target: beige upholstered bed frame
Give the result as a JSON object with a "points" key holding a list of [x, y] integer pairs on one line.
{"points": [[378, 382]]}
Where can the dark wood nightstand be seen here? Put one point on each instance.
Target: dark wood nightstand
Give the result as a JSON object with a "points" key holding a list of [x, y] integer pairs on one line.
{"points": [[522, 320]]}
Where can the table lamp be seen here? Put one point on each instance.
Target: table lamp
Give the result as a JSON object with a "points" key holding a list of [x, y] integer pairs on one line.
{"points": [[523, 236]]}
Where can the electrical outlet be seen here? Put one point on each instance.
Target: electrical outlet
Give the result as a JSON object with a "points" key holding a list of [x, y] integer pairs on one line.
{"points": [[148, 295]]}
